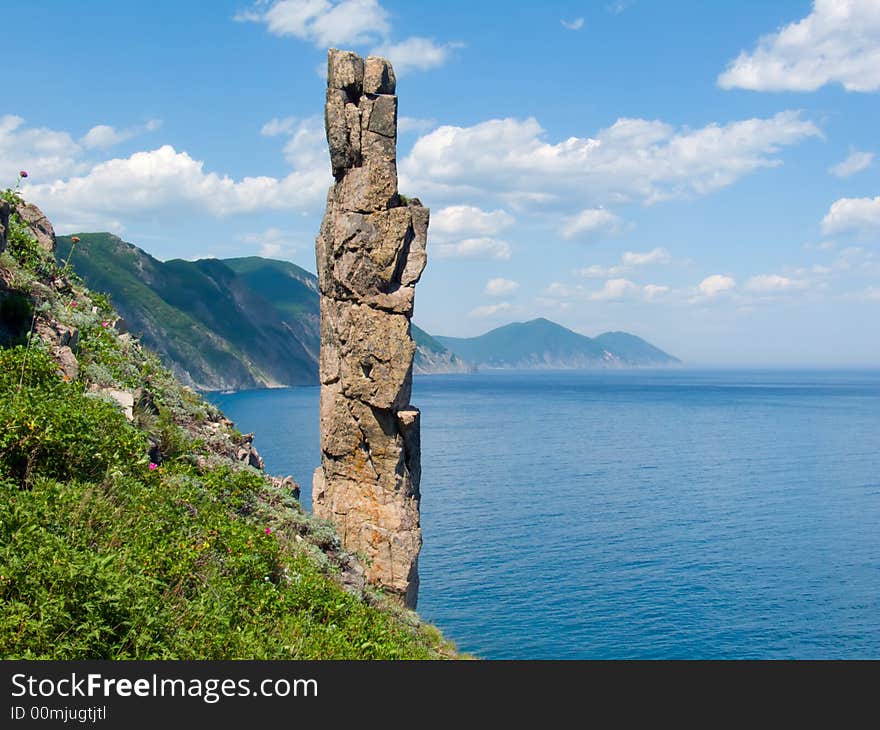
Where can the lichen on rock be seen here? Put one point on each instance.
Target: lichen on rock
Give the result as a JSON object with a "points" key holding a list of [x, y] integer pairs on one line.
{"points": [[370, 254]]}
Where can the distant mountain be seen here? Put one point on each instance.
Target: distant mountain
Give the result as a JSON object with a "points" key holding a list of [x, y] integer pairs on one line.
{"points": [[221, 324], [542, 344], [432, 357], [633, 350]]}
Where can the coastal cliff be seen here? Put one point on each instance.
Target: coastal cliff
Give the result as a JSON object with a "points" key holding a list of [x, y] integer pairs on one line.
{"points": [[135, 520]]}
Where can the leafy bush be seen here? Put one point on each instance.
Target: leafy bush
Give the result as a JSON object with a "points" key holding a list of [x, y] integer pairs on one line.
{"points": [[48, 427], [154, 566]]}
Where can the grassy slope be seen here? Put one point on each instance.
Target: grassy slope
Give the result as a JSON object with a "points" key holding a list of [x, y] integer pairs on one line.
{"points": [[102, 556]]}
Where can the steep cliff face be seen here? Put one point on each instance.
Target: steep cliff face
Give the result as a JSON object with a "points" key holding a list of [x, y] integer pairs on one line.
{"points": [[370, 254]]}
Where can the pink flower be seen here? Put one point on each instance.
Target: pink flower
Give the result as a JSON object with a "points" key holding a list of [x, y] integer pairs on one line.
{"points": [[73, 303], [153, 466], [105, 323], [268, 530], [22, 173]]}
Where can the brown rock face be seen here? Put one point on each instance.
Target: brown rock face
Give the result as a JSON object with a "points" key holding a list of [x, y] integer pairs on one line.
{"points": [[370, 254], [36, 220], [5, 210]]}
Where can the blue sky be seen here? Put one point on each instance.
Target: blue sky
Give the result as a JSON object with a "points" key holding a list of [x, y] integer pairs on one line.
{"points": [[702, 174]]}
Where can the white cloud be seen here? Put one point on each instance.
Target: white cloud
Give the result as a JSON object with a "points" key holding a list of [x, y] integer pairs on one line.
{"points": [[590, 222], [575, 24], [634, 159], [501, 287], [872, 294], [628, 261], [853, 259], [465, 231], [774, 284], [557, 289], [277, 126], [821, 246], [347, 23], [104, 136], [615, 289], [658, 255], [306, 148], [490, 310], [716, 284], [273, 243], [322, 22], [473, 248], [43, 152], [618, 6], [838, 42], [856, 162], [414, 124], [596, 271], [852, 214], [457, 220], [416, 53], [655, 291], [165, 183]]}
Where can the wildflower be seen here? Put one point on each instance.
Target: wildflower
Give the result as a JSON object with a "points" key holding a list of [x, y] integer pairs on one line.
{"points": [[153, 466], [268, 530], [22, 173], [105, 323], [75, 239], [73, 304]]}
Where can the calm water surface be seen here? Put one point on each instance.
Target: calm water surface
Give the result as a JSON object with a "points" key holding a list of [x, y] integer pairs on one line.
{"points": [[669, 514]]}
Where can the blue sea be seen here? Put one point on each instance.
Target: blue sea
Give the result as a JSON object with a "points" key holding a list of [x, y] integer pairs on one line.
{"points": [[673, 514]]}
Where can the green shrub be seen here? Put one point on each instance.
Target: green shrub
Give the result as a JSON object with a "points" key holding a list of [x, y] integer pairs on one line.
{"points": [[48, 427], [155, 566]]}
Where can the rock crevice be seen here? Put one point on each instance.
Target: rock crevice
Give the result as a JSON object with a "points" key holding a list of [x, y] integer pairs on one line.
{"points": [[370, 254]]}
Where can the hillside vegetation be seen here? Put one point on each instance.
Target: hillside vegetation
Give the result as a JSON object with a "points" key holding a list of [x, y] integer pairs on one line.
{"points": [[227, 324], [130, 525]]}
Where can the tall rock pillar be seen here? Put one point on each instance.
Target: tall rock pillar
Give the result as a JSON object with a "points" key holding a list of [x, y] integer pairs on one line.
{"points": [[370, 254]]}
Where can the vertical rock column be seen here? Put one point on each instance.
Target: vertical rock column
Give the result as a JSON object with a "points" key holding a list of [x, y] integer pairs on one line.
{"points": [[370, 254]]}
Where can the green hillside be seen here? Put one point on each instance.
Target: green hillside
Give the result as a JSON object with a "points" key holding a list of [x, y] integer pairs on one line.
{"points": [[541, 343], [131, 526], [205, 321], [292, 289], [220, 324]]}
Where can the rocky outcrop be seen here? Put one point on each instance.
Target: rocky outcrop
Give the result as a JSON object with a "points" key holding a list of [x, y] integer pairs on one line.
{"points": [[39, 224], [370, 254], [123, 398], [5, 210]]}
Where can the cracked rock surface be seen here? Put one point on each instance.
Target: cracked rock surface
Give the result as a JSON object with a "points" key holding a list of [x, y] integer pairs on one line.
{"points": [[370, 254]]}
